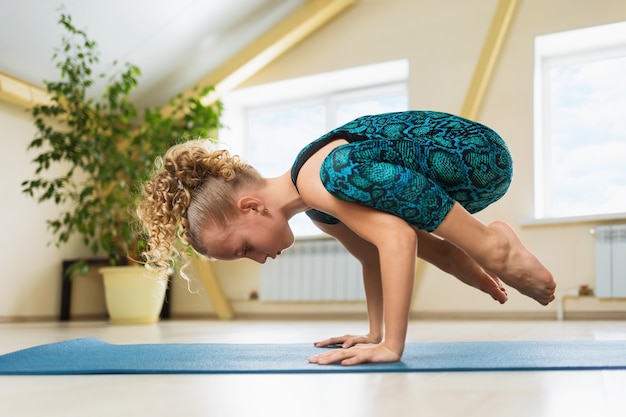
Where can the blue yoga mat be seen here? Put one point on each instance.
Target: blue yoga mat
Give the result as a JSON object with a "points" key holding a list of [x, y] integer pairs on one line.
{"points": [[93, 356]]}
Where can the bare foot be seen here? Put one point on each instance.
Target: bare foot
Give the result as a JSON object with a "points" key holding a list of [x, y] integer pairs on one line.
{"points": [[522, 270], [451, 259], [469, 272], [493, 286]]}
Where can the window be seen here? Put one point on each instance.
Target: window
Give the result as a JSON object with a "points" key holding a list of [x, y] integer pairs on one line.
{"points": [[269, 124], [580, 122]]}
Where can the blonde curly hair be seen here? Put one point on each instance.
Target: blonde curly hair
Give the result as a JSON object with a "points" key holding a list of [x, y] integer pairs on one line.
{"points": [[191, 186]]}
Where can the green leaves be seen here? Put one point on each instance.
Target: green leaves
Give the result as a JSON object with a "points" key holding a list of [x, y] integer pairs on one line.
{"points": [[102, 148]]}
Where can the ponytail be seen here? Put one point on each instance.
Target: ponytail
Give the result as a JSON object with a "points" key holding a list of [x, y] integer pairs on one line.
{"points": [[190, 188]]}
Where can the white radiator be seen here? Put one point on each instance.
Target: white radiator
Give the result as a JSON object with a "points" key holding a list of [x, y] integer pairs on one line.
{"points": [[610, 261], [312, 270]]}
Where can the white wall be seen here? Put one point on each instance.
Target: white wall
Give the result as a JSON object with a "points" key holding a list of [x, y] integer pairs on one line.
{"points": [[31, 269]]}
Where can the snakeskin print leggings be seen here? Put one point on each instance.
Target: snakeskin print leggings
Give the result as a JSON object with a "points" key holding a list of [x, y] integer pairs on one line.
{"points": [[417, 171]]}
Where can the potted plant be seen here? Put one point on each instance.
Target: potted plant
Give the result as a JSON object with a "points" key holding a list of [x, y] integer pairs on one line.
{"points": [[104, 150]]}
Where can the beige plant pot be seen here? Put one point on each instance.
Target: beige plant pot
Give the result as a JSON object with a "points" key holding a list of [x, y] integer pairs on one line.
{"points": [[133, 294]]}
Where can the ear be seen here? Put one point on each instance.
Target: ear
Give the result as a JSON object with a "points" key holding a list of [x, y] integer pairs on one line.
{"points": [[250, 204]]}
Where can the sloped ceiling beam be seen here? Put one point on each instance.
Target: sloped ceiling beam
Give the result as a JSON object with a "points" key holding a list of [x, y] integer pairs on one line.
{"points": [[304, 21], [489, 56], [20, 92]]}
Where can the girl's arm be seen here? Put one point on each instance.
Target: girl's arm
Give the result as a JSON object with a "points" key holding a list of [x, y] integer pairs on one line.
{"points": [[396, 243], [367, 255]]}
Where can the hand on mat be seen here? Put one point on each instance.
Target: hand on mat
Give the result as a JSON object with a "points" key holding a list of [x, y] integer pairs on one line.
{"points": [[357, 354], [347, 341]]}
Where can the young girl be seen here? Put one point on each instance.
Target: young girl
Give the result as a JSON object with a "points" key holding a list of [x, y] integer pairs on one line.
{"points": [[389, 187]]}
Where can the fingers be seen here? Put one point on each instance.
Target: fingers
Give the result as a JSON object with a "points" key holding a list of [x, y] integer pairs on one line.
{"points": [[356, 355], [346, 357], [333, 341], [334, 356], [345, 341]]}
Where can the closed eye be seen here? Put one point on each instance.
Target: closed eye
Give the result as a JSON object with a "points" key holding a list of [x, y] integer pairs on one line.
{"points": [[241, 253]]}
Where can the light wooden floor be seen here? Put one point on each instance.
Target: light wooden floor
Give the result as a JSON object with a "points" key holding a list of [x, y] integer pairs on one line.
{"points": [[484, 394]]}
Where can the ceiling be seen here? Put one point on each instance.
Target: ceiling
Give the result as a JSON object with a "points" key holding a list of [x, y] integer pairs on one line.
{"points": [[174, 43]]}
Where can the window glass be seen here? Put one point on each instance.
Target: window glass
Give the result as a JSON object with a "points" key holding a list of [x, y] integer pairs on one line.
{"points": [[588, 138], [275, 137], [351, 110]]}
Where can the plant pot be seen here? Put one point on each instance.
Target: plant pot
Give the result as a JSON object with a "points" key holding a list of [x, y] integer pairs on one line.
{"points": [[133, 294]]}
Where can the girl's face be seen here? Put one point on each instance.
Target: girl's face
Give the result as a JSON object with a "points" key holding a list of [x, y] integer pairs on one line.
{"points": [[255, 235]]}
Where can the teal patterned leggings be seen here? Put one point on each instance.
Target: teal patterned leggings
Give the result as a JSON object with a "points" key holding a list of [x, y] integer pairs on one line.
{"points": [[419, 176]]}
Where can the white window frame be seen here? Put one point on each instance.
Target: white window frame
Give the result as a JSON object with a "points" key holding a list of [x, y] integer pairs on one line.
{"points": [[576, 46], [317, 87], [329, 89]]}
